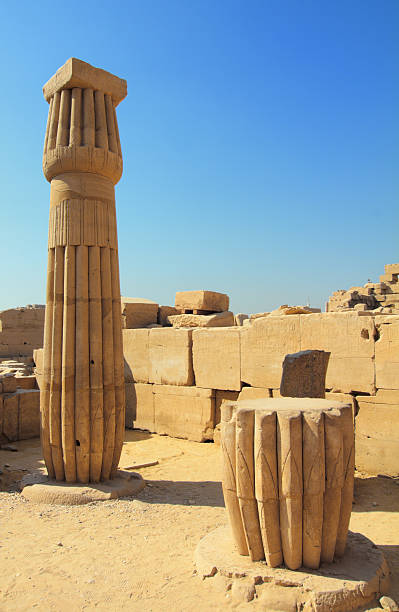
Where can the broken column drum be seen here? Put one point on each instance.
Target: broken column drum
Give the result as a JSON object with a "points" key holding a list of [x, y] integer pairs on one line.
{"points": [[288, 475], [82, 398]]}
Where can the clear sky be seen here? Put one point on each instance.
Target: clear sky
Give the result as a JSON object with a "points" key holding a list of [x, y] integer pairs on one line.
{"points": [[260, 143]]}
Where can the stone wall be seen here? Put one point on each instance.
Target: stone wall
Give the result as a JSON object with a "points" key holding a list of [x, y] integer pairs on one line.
{"points": [[21, 331], [19, 406]]}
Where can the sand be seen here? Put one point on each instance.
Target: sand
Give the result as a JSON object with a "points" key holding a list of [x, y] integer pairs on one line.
{"points": [[138, 553]]}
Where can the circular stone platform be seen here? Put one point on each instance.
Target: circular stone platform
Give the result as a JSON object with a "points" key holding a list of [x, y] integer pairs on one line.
{"points": [[358, 578], [44, 491]]}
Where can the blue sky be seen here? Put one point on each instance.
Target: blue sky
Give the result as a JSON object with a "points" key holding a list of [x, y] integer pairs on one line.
{"points": [[260, 143]]}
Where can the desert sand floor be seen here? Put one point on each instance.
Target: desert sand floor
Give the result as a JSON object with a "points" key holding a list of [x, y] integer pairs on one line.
{"points": [[137, 554]]}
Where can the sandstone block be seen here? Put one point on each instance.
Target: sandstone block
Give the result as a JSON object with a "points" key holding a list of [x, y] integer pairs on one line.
{"points": [[389, 278], [249, 393], [350, 340], [220, 398], [29, 414], [392, 268], [9, 383], [387, 352], [170, 354], [211, 301], [346, 398], [136, 354], [240, 318], [138, 312], [26, 382], [264, 344], [140, 406], [184, 412], [220, 319], [377, 437], [304, 374], [164, 312], [10, 416], [216, 358]]}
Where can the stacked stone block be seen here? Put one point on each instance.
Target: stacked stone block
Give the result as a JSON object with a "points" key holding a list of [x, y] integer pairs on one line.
{"points": [[19, 408]]}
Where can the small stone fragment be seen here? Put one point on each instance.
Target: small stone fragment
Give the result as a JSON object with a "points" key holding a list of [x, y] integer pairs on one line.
{"points": [[387, 603]]}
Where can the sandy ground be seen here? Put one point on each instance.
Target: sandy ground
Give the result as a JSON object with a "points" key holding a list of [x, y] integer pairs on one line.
{"points": [[137, 554]]}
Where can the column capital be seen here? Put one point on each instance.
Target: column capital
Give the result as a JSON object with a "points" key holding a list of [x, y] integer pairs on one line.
{"points": [[76, 73]]}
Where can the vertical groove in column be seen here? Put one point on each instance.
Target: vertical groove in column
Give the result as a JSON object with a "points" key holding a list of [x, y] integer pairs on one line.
{"points": [[68, 367], [101, 121], [50, 110], [313, 486], [289, 452], [109, 108], [52, 138], [56, 364], [229, 480], [118, 140], [266, 484], [64, 119], [108, 364], [334, 481], [76, 115], [96, 365], [82, 375], [348, 479], [246, 482], [88, 138], [47, 354], [119, 379]]}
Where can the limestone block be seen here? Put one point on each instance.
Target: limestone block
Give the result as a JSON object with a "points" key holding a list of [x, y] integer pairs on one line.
{"points": [[29, 414], [164, 312], [138, 312], [240, 318], [377, 437], [10, 416], [216, 358], [26, 382], [220, 398], [350, 340], [211, 301], [139, 406], [264, 345], [136, 354], [220, 319], [249, 393], [392, 268], [304, 374], [387, 352], [184, 412], [170, 354]]}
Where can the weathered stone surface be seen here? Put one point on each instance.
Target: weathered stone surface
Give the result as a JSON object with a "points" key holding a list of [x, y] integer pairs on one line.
{"points": [[29, 414], [291, 310], [249, 393], [140, 406], [26, 382], [10, 416], [38, 370], [220, 319], [136, 355], [211, 301], [21, 331], [264, 344], [350, 340], [222, 397], [164, 312], [239, 318], [392, 268], [170, 352], [377, 437], [387, 352], [216, 358], [184, 412], [9, 383], [138, 312], [304, 374]]}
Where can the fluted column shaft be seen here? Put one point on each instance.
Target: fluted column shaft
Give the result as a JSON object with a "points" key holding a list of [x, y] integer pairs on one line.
{"points": [[82, 400]]}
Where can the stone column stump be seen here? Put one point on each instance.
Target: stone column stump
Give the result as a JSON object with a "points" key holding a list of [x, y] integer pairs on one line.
{"points": [[288, 476]]}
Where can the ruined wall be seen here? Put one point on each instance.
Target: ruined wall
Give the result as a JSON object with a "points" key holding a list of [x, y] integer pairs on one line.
{"points": [[21, 331], [19, 406]]}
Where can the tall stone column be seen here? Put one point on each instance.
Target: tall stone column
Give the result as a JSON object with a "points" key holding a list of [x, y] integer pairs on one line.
{"points": [[82, 400]]}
